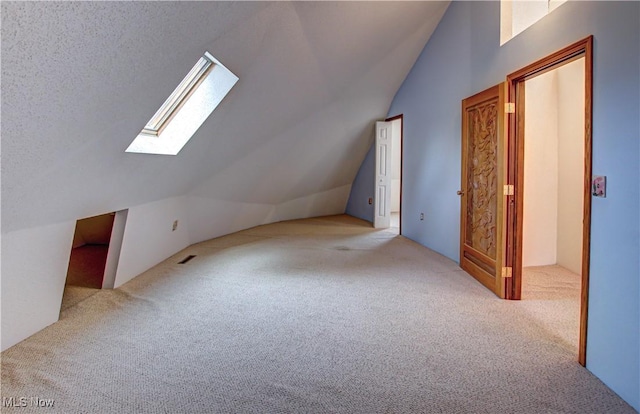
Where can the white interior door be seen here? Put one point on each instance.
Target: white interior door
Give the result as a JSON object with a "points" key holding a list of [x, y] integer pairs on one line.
{"points": [[382, 215]]}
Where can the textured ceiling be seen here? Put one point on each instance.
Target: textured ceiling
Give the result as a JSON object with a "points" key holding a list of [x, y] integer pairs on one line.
{"points": [[79, 81]]}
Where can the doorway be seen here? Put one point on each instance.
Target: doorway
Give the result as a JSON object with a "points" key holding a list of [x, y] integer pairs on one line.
{"points": [[396, 173], [553, 200], [388, 167], [549, 165], [94, 256]]}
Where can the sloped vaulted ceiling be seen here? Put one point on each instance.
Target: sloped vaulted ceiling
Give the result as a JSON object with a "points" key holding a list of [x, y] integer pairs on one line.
{"points": [[79, 81]]}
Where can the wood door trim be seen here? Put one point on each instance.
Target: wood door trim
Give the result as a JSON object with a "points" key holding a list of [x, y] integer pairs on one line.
{"points": [[401, 118], [515, 139], [553, 61]]}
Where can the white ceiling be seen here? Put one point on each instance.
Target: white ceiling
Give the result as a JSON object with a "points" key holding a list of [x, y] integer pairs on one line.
{"points": [[79, 81]]}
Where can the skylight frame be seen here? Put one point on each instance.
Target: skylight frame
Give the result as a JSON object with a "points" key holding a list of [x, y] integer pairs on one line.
{"points": [[187, 117], [180, 95]]}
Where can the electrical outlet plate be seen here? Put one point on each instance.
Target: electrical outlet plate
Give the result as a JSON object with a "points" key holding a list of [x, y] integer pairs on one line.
{"points": [[599, 186]]}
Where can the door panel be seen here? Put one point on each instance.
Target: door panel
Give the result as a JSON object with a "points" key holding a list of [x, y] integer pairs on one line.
{"points": [[482, 197], [382, 216]]}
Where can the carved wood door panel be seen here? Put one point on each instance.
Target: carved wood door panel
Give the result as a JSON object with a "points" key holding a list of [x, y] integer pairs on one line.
{"points": [[482, 196]]}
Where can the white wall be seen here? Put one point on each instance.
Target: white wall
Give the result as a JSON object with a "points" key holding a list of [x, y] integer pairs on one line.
{"points": [[31, 303], [289, 136], [540, 215], [517, 15], [34, 269], [554, 168], [396, 164], [571, 166], [325, 203], [148, 236], [526, 13], [32, 289], [115, 247], [209, 218]]}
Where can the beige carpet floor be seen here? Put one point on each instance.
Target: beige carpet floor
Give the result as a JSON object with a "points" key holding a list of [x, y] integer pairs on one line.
{"points": [[75, 294], [322, 315], [551, 296]]}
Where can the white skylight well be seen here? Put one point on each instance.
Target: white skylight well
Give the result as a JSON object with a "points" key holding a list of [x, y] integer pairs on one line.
{"points": [[172, 104], [518, 15], [186, 109]]}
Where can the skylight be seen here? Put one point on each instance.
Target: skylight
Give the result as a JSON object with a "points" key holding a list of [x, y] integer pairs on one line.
{"points": [[186, 109], [518, 15], [172, 104]]}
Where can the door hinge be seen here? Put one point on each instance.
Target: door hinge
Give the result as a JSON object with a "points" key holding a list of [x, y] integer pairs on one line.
{"points": [[507, 271], [508, 189], [509, 108]]}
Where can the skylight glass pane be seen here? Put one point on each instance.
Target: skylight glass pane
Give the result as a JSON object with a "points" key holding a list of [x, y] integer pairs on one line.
{"points": [[188, 107], [177, 97]]}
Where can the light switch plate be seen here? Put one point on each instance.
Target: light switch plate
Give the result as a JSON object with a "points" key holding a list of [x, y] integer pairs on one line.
{"points": [[599, 186]]}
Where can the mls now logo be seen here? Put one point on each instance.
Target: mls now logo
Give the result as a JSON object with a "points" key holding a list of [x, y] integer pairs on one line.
{"points": [[27, 402], [15, 401]]}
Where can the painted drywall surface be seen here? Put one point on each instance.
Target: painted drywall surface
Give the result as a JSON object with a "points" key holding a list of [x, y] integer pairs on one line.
{"points": [[431, 140], [211, 218], [326, 203], [363, 188], [540, 219], [311, 80], [526, 13], [30, 304], [115, 247], [149, 237], [614, 287], [554, 168], [462, 58], [293, 128], [32, 289], [571, 164]]}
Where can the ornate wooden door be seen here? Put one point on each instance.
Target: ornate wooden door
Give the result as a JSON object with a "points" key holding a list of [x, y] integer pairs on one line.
{"points": [[482, 193]]}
